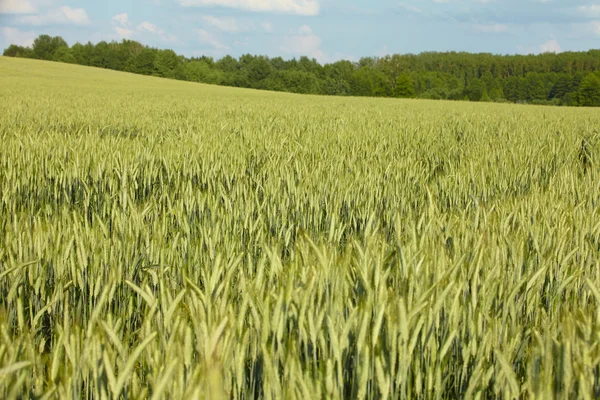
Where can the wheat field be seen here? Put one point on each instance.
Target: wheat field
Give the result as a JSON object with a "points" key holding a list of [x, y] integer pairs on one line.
{"points": [[164, 239]]}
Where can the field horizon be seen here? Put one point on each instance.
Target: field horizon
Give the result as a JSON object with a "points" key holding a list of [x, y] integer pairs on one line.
{"points": [[61, 68], [171, 239]]}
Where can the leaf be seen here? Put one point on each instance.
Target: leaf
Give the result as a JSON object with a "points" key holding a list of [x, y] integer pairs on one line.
{"points": [[14, 368]]}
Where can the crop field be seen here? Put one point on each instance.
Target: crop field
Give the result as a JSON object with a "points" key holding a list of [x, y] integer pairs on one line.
{"points": [[164, 239]]}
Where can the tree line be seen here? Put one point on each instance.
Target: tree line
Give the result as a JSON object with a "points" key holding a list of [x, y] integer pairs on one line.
{"points": [[569, 78]]}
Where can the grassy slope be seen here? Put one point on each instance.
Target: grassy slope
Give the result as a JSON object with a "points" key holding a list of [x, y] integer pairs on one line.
{"points": [[291, 246]]}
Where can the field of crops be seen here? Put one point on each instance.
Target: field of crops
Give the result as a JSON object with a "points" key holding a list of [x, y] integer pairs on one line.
{"points": [[169, 239]]}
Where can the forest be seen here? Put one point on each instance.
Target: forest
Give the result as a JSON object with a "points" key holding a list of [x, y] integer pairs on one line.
{"points": [[568, 78]]}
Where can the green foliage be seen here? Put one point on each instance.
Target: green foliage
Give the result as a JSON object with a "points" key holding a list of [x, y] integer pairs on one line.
{"points": [[368, 81], [170, 239], [166, 64], [404, 87], [589, 93], [63, 54], [18, 51], [534, 87], [45, 47], [200, 71], [477, 90], [142, 62], [548, 79]]}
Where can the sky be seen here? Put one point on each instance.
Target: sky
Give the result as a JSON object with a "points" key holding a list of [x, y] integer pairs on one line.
{"points": [[328, 30]]}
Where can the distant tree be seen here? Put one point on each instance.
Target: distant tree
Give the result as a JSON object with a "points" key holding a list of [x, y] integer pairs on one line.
{"points": [[404, 87], [63, 54], [437, 93], [227, 64], [310, 65], [131, 48], [275, 82], [535, 87], [561, 87], [557, 79], [278, 63], [100, 56], [337, 87], [142, 63], [496, 93], [476, 91], [589, 92], [45, 46], [367, 81], [511, 88], [18, 51], [166, 63], [258, 69], [299, 82], [200, 70], [80, 52]]}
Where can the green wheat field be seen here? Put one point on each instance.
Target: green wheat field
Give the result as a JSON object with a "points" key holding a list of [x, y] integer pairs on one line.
{"points": [[164, 239]]}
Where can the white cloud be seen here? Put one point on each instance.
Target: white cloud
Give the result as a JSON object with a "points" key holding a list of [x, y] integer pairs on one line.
{"points": [[16, 7], [122, 19], [124, 33], [304, 43], [61, 16], [551, 46], [225, 24], [15, 36], [410, 8], [147, 27], [153, 29], [233, 25], [490, 28], [206, 37], [300, 7], [75, 15], [591, 10], [305, 30], [267, 26]]}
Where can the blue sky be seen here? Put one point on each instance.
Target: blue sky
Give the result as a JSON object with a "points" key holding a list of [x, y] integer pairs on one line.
{"points": [[328, 30]]}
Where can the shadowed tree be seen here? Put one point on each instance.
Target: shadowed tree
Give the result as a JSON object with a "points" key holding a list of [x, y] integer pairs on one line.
{"points": [[404, 87], [589, 92], [17, 51], [45, 46]]}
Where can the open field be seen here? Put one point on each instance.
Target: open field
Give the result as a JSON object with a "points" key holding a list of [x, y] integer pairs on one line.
{"points": [[162, 237]]}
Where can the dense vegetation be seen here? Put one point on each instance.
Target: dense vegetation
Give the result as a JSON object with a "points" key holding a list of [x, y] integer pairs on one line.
{"points": [[570, 78], [161, 237]]}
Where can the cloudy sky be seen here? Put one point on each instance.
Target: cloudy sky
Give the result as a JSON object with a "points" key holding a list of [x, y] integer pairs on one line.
{"points": [[325, 29]]}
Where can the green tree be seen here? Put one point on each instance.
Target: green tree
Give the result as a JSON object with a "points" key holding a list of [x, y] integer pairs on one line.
{"points": [[81, 53], [335, 87], [63, 54], [404, 87], [258, 69], [476, 91], [45, 46], [142, 63], [201, 71], [367, 81], [535, 87], [17, 51], [562, 86], [589, 92], [166, 63], [227, 64]]}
